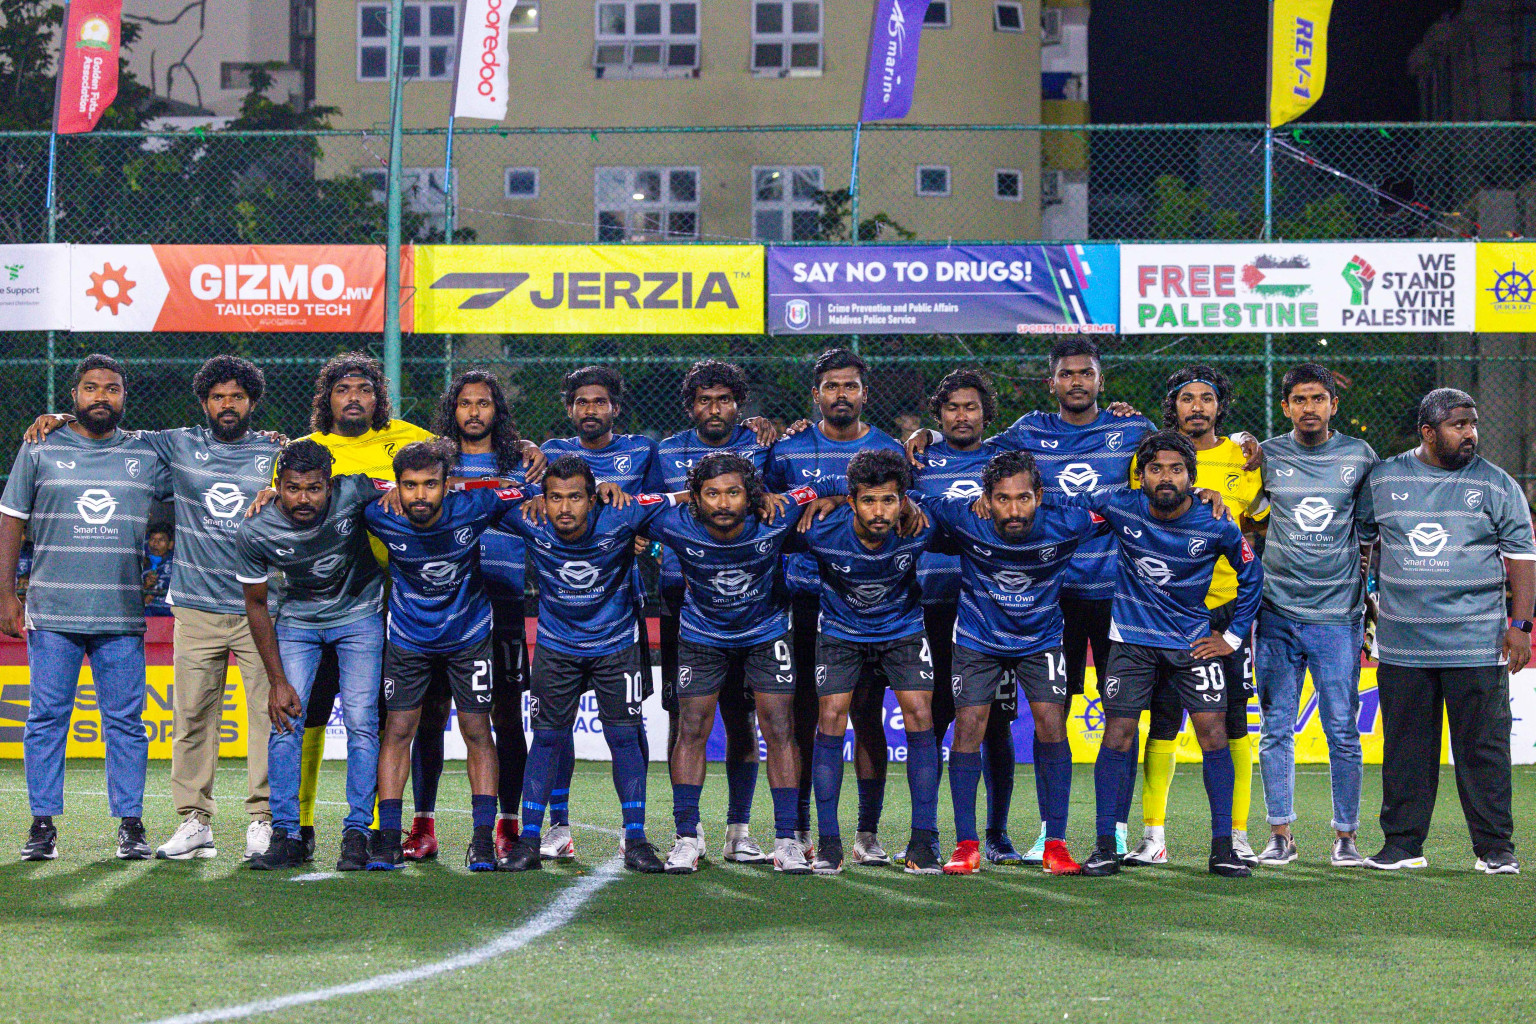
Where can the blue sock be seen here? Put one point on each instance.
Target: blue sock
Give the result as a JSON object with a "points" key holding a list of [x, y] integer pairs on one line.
{"points": [[483, 809], [964, 775], [426, 773], [1053, 774], [999, 756], [1108, 784], [740, 787], [1128, 789], [871, 803], [543, 761], [560, 792], [1220, 777], [389, 814], [685, 808], [628, 775], [786, 811], [923, 779], [827, 774], [803, 806]]}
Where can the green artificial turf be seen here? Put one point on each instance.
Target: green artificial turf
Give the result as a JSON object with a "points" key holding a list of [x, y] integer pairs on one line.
{"points": [[93, 939]]}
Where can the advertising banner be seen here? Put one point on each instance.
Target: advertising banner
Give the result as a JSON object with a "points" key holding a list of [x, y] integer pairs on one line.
{"points": [[960, 289], [894, 34], [336, 288], [88, 64], [589, 289], [1298, 57], [1505, 272], [34, 287], [1296, 287], [481, 88]]}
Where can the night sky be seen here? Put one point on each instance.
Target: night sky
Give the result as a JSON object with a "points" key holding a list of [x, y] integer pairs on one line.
{"points": [[1202, 60]]}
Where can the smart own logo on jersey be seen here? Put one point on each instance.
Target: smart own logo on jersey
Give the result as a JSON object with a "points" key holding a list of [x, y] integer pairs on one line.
{"points": [[1077, 477], [969, 489], [324, 567], [440, 573], [1313, 514], [869, 593], [1155, 570], [578, 575], [96, 506], [223, 500], [731, 582], [1013, 582], [1428, 539]]}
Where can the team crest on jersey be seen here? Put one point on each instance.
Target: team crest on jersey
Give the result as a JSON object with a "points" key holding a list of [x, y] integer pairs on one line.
{"points": [[821, 675], [1077, 477], [389, 688], [621, 464], [1473, 498], [132, 466], [464, 534], [344, 527], [263, 464], [1196, 546], [1113, 440], [1232, 479], [763, 546], [903, 562], [1047, 553], [533, 706], [684, 677], [1347, 474], [955, 685], [1111, 686]]}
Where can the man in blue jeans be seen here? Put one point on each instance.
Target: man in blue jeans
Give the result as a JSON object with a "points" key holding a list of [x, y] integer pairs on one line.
{"points": [[333, 591], [86, 493], [1314, 601]]}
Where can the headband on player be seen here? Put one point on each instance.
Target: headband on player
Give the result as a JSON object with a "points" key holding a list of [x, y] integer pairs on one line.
{"points": [[1198, 380]]}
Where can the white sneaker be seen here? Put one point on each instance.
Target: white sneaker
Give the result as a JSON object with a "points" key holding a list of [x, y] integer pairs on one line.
{"points": [[741, 848], [789, 857], [807, 844], [684, 858], [868, 851], [557, 845], [258, 836], [192, 840], [1151, 850], [1241, 849]]}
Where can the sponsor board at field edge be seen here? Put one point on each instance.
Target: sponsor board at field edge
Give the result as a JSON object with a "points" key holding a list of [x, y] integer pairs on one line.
{"points": [[229, 288], [34, 287], [1315, 287], [968, 289], [589, 289], [1506, 272]]}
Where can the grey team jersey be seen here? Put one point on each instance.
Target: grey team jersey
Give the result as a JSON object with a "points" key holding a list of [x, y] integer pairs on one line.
{"points": [[330, 577], [1441, 583], [87, 506], [214, 483], [1312, 550]]}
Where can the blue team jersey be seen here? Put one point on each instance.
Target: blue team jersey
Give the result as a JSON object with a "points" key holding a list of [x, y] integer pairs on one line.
{"points": [[501, 550], [866, 595], [437, 601], [587, 601], [732, 598], [1077, 460], [677, 455], [1009, 590], [945, 472], [1165, 569], [807, 458], [628, 461]]}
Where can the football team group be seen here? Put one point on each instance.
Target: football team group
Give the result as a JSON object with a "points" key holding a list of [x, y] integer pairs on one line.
{"points": [[802, 574]]}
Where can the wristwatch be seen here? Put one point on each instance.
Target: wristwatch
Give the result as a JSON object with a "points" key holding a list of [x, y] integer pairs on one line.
{"points": [[1524, 625]]}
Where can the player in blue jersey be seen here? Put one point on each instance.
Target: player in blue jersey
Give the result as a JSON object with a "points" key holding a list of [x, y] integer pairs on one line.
{"points": [[872, 619], [473, 413], [734, 632], [822, 451], [1161, 633], [963, 404], [589, 638], [1078, 448], [712, 395], [439, 622]]}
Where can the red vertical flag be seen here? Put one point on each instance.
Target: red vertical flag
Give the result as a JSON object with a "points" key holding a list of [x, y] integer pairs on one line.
{"points": [[88, 64]]}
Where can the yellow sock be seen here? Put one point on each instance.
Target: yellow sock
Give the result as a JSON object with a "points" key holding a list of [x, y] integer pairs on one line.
{"points": [[1242, 787], [1160, 758], [309, 774]]}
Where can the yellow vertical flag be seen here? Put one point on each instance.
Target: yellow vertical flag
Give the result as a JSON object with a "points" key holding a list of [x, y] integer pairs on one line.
{"points": [[1298, 57]]}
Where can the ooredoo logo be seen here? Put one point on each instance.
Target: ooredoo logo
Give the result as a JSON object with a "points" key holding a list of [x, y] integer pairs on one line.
{"points": [[1428, 539], [223, 500], [96, 506]]}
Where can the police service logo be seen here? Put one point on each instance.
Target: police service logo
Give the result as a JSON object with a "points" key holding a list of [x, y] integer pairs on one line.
{"points": [[1077, 477], [1112, 687], [344, 527], [223, 500], [578, 575], [263, 464], [1155, 570], [969, 489], [1347, 474], [464, 534], [1313, 514], [1428, 539], [797, 314], [731, 582], [1473, 498], [1197, 546], [323, 567], [132, 466], [1012, 582], [621, 464], [96, 506], [684, 677], [1113, 440], [439, 573]]}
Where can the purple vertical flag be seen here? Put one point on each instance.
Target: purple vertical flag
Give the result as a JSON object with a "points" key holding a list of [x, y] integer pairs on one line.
{"points": [[894, 34]]}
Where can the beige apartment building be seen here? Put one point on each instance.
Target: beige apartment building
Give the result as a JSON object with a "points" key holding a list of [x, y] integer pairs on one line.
{"points": [[607, 66]]}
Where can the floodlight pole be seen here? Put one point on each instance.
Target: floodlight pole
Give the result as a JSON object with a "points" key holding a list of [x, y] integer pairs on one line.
{"points": [[392, 203]]}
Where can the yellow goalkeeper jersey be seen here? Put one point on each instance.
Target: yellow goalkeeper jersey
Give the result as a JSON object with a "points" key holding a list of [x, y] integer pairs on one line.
{"points": [[372, 453]]}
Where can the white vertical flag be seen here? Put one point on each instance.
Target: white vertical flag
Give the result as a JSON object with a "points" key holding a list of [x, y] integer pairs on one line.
{"points": [[481, 90]]}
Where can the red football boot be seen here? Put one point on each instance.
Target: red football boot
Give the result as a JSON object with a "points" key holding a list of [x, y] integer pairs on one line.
{"points": [[1058, 861], [421, 842], [966, 860], [507, 832]]}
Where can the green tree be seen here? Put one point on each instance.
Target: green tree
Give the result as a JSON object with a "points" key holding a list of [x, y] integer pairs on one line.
{"points": [[836, 212]]}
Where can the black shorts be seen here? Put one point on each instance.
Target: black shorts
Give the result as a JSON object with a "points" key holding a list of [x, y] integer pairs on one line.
{"points": [[1237, 667], [907, 664], [978, 678], [1085, 627], [767, 667], [408, 676], [1134, 672], [559, 680]]}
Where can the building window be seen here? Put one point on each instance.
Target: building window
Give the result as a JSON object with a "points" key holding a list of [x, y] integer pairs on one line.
{"points": [[422, 190], [524, 17], [647, 204], [431, 35], [1008, 16], [235, 77], [933, 181], [522, 182], [1008, 183], [784, 207], [786, 37], [640, 38], [937, 15]]}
